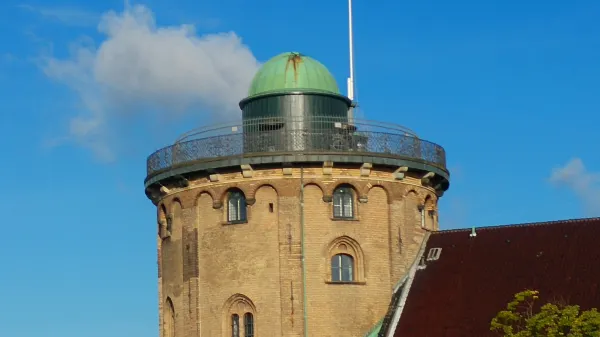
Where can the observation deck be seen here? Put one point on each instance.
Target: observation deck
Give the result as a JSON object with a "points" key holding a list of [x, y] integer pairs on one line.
{"points": [[294, 140]]}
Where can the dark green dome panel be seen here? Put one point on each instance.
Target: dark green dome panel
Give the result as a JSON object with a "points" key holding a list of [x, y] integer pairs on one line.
{"points": [[295, 105]]}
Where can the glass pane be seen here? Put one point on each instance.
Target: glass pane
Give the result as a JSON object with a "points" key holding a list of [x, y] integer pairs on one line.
{"points": [[248, 325], [233, 208], [347, 262], [335, 268], [335, 274], [337, 211], [348, 206], [337, 205], [235, 325], [242, 209], [347, 274], [335, 262]]}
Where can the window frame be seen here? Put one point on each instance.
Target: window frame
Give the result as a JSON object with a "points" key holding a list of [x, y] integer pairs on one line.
{"points": [[248, 324], [344, 197], [239, 207], [235, 322], [338, 267]]}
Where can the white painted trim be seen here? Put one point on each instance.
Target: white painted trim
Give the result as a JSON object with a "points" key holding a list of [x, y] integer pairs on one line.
{"points": [[408, 282]]}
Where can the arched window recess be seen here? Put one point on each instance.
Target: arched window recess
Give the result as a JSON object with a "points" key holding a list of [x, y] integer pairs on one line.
{"points": [[236, 207]]}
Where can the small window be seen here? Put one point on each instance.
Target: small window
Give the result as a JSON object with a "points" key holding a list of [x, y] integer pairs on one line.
{"points": [[248, 325], [343, 203], [235, 325], [236, 207], [169, 224], [434, 254], [342, 268]]}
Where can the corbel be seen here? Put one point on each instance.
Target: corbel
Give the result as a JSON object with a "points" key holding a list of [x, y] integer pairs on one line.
{"points": [[328, 168], [365, 169], [247, 171], [400, 172], [287, 169], [426, 180]]}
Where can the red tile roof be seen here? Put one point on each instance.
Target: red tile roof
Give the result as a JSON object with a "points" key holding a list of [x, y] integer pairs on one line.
{"points": [[474, 278]]}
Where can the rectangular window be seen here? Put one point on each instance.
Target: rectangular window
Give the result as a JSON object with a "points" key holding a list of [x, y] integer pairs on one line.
{"points": [[236, 207], [235, 325], [248, 325]]}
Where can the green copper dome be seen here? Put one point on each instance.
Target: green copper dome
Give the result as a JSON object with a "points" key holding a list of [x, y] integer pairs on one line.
{"points": [[291, 72]]}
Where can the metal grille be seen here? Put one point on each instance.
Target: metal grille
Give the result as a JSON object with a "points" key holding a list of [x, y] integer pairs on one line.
{"points": [[289, 135]]}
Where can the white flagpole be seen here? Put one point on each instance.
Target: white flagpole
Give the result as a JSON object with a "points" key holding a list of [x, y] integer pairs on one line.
{"points": [[351, 78]]}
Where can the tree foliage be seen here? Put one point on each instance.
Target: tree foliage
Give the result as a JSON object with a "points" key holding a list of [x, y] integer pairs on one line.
{"points": [[552, 320]]}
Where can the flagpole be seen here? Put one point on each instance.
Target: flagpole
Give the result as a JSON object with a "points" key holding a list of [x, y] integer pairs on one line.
{"points": [[351, 78]]}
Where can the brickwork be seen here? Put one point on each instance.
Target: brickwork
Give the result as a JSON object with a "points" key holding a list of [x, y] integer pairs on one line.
{"points": [[210, 269]]}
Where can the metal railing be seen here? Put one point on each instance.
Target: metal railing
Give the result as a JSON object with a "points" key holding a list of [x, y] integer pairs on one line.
{"points": [[296, 135]]}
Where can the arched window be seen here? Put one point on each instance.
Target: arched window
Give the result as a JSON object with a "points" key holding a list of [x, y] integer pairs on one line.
{"points": [[342, 266], [169, 224], [235, 325], [343, 203], [168, 319], [248, 325], [162, 222], [237, 307], [236, 206], [429, 218]]}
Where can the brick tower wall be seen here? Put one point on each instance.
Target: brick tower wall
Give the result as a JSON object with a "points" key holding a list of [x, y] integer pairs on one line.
{"points": [[209, 269]]}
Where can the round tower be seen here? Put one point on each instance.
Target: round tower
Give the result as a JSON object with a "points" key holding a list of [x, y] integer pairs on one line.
{"points": [[295, 221]]}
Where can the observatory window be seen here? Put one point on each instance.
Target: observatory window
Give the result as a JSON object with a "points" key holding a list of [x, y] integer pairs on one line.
{"points": [[236, 207], [235, 325], [342, 268], [248, 325], [343, 203]]}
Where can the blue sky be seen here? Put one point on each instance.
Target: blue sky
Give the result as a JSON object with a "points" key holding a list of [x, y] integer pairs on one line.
{"points": [[509, 88]]}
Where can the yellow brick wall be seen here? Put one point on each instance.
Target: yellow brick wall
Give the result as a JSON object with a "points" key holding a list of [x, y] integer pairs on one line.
{"points": [[210, 269]]}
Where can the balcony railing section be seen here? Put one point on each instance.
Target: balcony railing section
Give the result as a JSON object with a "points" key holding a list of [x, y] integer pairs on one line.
{"points": [[296, 135]]}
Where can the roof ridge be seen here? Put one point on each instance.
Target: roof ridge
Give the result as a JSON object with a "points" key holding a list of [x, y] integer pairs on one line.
{"points": [[525, 224]]}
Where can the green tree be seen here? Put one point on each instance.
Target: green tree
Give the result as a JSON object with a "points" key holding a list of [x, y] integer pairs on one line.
{"points": [[552, 320]]}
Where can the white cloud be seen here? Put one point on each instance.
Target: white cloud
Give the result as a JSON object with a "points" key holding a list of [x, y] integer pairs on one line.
{"points": [[585, 184], [146, 71]]}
